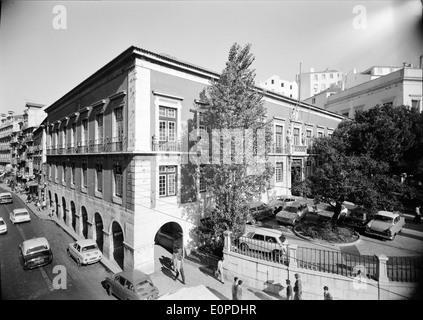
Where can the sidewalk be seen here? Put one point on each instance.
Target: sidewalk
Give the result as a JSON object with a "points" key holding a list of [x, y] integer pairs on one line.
{"points": [[163, 277]]}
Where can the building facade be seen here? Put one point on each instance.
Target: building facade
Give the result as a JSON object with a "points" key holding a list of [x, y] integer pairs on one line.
{"points": [[401, 87], [116, 151], [283, 87], [314, 82], [9, 124]]}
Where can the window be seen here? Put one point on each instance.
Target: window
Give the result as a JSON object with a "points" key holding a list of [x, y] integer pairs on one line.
{"points": [[64, 137], [118, 175], [331, 76], [84, 133], [258, 237], [278, 139], [119, 124], [84, 174], [167, 181], [167, 124], [49, 169], [202, 180], [290, 87], [55, 172], [313, 100], [73, 136], [323, 86], [319, 134], [308, 138], [64, 172], [316, 77], [415, 104], [99, 127], [73, 173], [273, 81], [315, 88], [99, 177], [282, 84], [278, 171], [296, 136]]}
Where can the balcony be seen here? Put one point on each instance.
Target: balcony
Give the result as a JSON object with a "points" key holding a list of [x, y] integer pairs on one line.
{"points": [[61, 149], [168, 146], [97, 146], [299, 150], [115, 144], [279, 149], [82, 147], [70, 149]]}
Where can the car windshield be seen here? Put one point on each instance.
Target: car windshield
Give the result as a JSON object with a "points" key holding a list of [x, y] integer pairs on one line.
{"points": [[383, 218], [21, 214], [36, 249], [291, 209], [282, 239], [90, 247], [143, 285]]}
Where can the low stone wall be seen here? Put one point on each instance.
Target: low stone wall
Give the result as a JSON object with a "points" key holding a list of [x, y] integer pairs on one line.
{"points": [[270, 277]]}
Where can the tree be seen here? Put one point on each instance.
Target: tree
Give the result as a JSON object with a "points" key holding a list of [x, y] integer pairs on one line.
{"points": [[234, 104], [363, 158]]}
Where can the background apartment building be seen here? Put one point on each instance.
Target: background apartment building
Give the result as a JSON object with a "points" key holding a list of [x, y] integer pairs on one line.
{"points": [[313, 82], [9, 124], [116, 168], [283, 87]]}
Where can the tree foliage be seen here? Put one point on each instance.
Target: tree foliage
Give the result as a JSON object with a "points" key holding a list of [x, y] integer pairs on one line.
{"points": [[363, 159], [235, 104]]}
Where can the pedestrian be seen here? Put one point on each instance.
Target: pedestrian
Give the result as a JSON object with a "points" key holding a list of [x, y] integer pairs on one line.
{"points": [[51, 213], [38, 204], [234, 288], [219, 271], [288, 290], [239, 290], [418, 215], [179, 268], [326, 294], [298, 288], [174, 258], [44, 204]]}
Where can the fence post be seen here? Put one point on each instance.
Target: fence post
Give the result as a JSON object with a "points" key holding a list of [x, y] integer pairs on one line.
{"points": [[382, 276], [227, 240], [292, 251]]}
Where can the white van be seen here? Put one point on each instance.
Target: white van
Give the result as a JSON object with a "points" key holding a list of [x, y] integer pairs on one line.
{"points": [[6, 197], [19, 215]]}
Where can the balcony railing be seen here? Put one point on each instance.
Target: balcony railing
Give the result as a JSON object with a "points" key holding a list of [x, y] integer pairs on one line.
{"points": [[162, 145], [97, 146], [299, 149], [82, 147], [115, 144]]}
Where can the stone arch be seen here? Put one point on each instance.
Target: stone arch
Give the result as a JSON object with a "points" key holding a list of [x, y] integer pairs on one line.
{"points": [[64, 209], [169, 236], [84, 221], [98, 230], [117, 240], [73, 215], [56, 202]]}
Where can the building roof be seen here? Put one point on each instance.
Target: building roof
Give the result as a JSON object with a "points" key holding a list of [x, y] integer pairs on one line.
{"points": [[369, 70], [134, 276]]}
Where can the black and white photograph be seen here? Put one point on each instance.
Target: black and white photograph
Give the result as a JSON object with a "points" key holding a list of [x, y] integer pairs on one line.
{"points": [[208, 151]]}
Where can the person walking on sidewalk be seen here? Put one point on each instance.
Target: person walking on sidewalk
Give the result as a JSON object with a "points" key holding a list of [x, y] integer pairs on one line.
{"points": [[43, 204], [234, 288], [418, 215], [179, 268], [239, 290], [298, 288], [51, 214], [219, 271], [288, 290]]}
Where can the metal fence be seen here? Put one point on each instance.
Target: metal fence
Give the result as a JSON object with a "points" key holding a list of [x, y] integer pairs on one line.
{"points": [[405, 269], [261, 249], [345, 264], [206, 259]]}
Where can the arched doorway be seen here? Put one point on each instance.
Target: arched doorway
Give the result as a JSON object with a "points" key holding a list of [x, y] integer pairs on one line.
{"points": [[56, 201], [64, 209], [99, 230], [50, 199], [73, 214], [84, 216], [118, 249], [170, 236]]}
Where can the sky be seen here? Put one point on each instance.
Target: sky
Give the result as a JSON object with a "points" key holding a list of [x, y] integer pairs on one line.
{"points": [[40, 62]]}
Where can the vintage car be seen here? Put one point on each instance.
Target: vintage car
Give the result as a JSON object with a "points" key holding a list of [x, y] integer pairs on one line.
{"points": [[19, 215], [385, 224], [279, 202], [131, 285], [356, 218], [3, 226], [258, 211], [292, 213], [263, 240], [6, 197], [35, 253], [84, 252]]}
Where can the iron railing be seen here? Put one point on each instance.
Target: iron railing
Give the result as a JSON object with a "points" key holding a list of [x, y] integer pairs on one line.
{"points": [[206, 259], [405, 269]]}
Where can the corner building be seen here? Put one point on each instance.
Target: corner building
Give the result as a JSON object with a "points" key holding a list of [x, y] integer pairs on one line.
{"points": [[115, 171]]}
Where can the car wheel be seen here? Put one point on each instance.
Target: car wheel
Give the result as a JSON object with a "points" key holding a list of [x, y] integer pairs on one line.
{"points": [[25, 266], [78, 261], [244, 247], [109, 289], [69, 254], [393, 237]]}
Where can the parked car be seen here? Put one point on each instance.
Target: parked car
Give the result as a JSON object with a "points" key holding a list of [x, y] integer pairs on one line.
{"points": [[292, 213], [6, 197], [35, 253], [385, 224], [3, 226], [84, 252], [258, 211], [279, 202], [264, 240], [131, 285], [19, 215], [357, 219]]}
